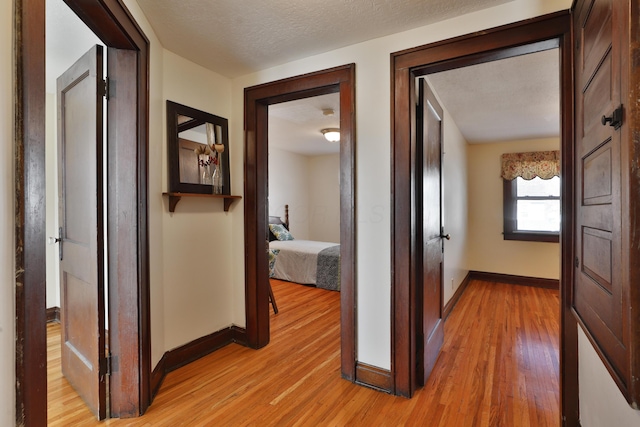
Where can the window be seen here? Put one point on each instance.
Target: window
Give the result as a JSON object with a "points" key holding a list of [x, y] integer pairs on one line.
{"points": [[531, 196], [532, 209]]}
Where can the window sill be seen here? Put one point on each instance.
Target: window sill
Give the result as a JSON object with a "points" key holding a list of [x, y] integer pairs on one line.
{"points": [[528, 236]]}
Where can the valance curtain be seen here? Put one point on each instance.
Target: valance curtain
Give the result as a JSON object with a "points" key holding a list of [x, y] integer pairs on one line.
{"points": [[543, 164]]}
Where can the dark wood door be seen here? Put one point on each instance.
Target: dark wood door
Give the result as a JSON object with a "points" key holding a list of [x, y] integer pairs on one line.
{"points": [[600, 299], [429, 221], [80, 117]]}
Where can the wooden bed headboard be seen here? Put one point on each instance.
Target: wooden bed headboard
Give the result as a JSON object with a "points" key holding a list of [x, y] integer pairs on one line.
{"points": [[279, 220]]}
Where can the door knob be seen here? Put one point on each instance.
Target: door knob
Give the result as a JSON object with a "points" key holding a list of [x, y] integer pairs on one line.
{"points": [[445, 236], [54, 240]]}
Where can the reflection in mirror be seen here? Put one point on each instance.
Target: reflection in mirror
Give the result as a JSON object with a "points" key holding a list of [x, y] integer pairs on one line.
{"points": [[198, 159]]}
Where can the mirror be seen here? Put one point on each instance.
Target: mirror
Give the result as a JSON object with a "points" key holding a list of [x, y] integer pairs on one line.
{"points": [[198, 145]]}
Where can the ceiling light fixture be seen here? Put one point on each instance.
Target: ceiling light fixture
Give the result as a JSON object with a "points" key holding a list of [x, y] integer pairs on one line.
{"points": [[331, 134]]}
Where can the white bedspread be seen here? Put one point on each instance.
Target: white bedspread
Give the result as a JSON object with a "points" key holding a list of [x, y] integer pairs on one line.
{"points": [[298, 260]]}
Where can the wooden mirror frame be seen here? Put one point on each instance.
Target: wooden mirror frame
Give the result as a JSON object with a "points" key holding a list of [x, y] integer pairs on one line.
{"points": [[176, 185]]}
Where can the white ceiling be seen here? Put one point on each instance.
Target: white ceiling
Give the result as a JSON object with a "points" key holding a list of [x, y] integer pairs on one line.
{"points": [[237, 37], [506, 100], [510, 99], [295, 125]]}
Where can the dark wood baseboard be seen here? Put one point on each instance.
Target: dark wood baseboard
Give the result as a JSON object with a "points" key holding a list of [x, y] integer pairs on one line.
{"points": [[448, 308], [515, 280], [53, 314], [194, 350], [157, 376], [373, 377]]}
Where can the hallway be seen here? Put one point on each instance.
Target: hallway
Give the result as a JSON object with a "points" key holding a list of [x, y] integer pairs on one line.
{"points": [[498, 367]]}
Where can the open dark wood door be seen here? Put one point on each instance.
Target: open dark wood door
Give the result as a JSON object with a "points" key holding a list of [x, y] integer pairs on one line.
{"points": [[80, 116], [429, 228], [605, 235]]}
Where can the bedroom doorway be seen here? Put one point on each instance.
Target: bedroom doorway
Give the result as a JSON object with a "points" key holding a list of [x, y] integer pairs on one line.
{"points": [[340, 81], [304, 190], [503, 42]]}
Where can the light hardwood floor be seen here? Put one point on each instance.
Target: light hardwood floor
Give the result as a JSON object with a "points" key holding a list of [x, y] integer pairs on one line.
{"points": [[498, 367]]}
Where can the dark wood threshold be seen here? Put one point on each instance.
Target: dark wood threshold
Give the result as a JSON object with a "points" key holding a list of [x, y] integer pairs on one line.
{"points": [[449, 306], [515, 280], [373, 377], [53, 314], [194, 350]]}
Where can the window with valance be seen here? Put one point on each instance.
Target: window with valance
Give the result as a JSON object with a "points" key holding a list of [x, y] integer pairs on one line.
{"points": [[531, 196]]}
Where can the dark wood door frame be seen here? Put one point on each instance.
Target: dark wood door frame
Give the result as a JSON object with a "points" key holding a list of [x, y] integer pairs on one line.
{"points": [[256, 105], [128, 242], [532, 35]]}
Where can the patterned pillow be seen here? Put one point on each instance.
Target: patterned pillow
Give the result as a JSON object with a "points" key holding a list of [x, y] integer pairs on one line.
{"points": [[280, 232], [272, 261]]}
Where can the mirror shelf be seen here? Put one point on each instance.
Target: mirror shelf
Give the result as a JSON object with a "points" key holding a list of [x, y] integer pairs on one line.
{"points": [[174, 198]]}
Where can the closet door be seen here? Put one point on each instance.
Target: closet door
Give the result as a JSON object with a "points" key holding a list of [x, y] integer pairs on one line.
{"points": [[603, 292]]}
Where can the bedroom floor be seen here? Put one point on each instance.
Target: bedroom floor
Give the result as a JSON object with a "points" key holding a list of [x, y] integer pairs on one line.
{"points": [[498, 367]]}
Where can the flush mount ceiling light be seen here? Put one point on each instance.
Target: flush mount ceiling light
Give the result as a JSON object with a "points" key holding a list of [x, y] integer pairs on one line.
{"points": [[331, 134]]}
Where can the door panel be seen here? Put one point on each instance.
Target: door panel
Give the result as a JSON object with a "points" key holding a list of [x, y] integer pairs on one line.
{"points": [[430, 279], [599, 296], [81, 206]]}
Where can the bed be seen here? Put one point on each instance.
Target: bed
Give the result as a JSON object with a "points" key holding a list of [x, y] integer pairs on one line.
{"points": [[304, 261]]}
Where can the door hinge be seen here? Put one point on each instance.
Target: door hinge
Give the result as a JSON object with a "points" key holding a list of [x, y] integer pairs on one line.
{"points": [[110, 364], [104, 88]]}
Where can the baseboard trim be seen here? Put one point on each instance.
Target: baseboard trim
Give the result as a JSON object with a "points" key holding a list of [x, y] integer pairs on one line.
{"points": [[192, 351], [53, 314], [515, 280], [449, 306], [157, 376], [373, 377]]}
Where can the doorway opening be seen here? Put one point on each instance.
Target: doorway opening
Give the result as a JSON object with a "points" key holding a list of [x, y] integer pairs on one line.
{"points": [[483, 120], [340, 80], [75, 64], [128, 249], [304, 194], [512, 40]]}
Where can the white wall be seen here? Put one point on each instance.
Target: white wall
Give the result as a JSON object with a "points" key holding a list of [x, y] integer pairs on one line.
{"points": [[487, 250], [310, 185], [324, 198], [601, 403], [372, 156], [289, 185], [197, 237], [7, 242], [454, 211], [51, 170]]}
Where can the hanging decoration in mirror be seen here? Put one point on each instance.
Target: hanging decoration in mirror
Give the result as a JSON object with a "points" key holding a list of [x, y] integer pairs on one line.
{"points": [[198, 151]]}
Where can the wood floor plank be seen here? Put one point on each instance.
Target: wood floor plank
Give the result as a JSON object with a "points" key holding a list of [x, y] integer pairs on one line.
{"points": [[498, 367]]}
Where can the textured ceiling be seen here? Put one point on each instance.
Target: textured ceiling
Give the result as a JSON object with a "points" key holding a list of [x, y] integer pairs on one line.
{"points": [[295, 125], [237, 37], [510, 99]]}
